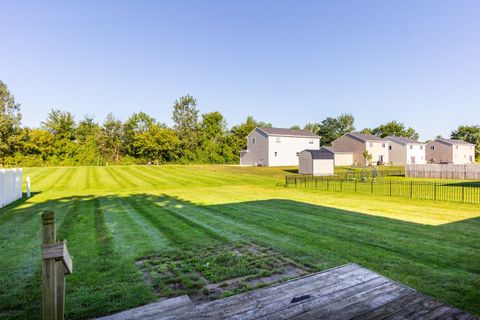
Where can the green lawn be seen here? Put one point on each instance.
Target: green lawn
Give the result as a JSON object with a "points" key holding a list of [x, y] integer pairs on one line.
{"points": [[113, 216]]}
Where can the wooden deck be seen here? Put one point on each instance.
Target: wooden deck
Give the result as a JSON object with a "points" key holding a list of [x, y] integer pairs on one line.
{"points": [[346, 292]]}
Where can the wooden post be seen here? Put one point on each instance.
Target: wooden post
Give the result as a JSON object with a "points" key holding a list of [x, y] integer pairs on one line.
{"points": [[49, 269], [56, 263]]}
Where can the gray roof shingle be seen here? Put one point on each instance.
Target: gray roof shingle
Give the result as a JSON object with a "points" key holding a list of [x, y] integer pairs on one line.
{"points": [[366, 137], [454, 142], [320, 153], [288, 132], [403, 140]]}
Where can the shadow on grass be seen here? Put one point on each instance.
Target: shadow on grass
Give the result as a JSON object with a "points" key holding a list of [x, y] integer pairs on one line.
{"points": [[106, 234]]}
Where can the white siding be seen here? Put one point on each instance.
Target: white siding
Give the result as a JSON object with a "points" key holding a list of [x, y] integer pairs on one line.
{"points": [[463, 154], [283, 151], [323, 167], [378, 150]]}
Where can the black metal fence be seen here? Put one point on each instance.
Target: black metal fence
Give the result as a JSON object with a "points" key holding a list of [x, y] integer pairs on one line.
{"points": [[465, 192]]}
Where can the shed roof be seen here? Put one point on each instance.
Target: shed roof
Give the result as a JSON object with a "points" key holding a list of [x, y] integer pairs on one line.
{"points": [[320, 153], [403, 140], [288, 132]]}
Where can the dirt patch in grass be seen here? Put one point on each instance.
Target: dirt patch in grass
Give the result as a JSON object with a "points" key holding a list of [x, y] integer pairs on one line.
{"points": [[218, 272]]}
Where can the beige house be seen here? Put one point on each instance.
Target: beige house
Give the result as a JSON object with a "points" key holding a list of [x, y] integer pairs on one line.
{"points": [[450, 151], [277, 146], [403, 151], [358, 143], [316, 162]]}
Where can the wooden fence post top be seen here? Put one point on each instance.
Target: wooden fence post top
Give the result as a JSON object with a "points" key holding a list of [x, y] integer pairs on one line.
{"points": [[48, 217]]}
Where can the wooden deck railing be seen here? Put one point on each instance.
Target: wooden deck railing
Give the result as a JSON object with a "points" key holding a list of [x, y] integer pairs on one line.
{"points": [[56, 262]]}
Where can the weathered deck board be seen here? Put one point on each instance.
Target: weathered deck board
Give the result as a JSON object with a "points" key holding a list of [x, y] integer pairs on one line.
{"points": [[345, 292]]}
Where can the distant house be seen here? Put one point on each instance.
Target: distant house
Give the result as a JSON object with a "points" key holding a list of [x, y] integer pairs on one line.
{"points": [[450, 151], [403, 151], [358, 143], [342, 158], [316, 162], [277, 147]]}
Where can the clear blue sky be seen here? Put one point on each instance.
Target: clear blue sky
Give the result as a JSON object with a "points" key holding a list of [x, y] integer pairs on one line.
{"points": [[286, 62]]}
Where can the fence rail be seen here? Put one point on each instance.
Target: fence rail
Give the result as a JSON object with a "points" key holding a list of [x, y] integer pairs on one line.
{"points": [[444, 171], [465, 192]]}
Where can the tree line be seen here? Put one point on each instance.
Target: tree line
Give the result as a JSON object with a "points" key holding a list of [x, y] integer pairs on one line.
{"points": [[141, 139]]}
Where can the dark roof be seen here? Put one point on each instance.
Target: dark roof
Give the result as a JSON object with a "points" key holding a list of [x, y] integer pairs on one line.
{"points": [[333, 150], [454, 142], [320, 153], [403, 140], [365, 137], [288, 132]]}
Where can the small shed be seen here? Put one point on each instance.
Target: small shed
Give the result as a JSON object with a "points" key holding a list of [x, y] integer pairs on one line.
{"points": [[319, 162]]}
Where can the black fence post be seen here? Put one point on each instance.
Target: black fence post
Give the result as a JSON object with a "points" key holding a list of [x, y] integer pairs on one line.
{"points": [[371, 188], [435, 191], [411, 189], [355, 182], [390, 188], [295, 181]]}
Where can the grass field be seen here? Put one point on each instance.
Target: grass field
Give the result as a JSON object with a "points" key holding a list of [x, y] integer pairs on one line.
{"points": [[114, 216]]}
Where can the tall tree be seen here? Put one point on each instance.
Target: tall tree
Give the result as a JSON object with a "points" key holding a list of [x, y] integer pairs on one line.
{"points": [[332, 128], [395, 128], [61, 124], [212, 131], [10, 118], [185, 118], [158, 143], [469, 134], [87, 129], [138, 123], [111, 142]]}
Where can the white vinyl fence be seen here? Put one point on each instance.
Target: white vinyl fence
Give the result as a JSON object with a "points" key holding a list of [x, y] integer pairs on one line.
{"points": [[10, 186]]}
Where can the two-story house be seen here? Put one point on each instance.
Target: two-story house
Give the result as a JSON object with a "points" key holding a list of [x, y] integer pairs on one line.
{"points": [[450, 151], [403, 151], [277, 147], [358, 143]]}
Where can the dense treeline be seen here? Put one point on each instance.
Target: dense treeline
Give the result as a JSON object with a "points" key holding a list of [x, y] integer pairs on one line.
{"points": [[193, 138]]}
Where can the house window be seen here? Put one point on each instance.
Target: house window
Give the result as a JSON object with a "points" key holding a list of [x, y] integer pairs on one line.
{"points": [[432, 147], [254, 141], [389, 147], [471, 159], [411, 147], [311, 141], [421, 147], [276, 153], [298, 154], [456, 147], [370, 144], [383, 145], [279, 140]]}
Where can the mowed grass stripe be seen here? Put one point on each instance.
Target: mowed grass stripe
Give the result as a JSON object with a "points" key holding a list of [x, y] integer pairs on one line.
{"points": [[162, 178], [124, 181], [129, 236], [117, 182], [105, 281], [175, 179], [179, 232]]}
